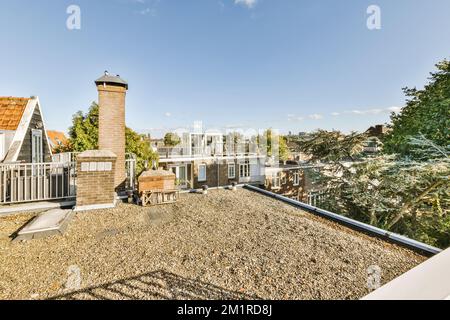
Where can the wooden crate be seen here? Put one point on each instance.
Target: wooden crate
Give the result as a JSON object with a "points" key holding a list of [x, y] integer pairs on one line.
{"points": [[157, 197], [155, 180]]}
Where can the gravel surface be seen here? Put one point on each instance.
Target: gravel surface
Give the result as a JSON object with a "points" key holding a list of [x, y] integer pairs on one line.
{"points": [[224, 245]]}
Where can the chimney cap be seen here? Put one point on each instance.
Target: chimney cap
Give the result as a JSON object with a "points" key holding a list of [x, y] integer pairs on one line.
{"points": [[109, 79]]}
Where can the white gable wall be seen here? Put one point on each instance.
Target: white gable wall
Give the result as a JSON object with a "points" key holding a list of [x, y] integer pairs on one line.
{"points": [[5, 140]]}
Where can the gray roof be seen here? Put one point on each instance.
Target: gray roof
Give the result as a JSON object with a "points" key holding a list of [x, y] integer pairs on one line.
{"points": [[107, 78]]}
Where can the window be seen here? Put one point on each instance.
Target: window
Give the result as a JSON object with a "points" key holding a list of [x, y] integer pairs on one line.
{"points": [[284, 179], [231, 171], [180, 175], [244, 170], [296, 179], [276, 179], [202, 172], [36, 146]]}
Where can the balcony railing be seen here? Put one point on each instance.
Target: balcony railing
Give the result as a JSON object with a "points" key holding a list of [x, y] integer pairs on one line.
{"points": [[36, 182], [209, 151]]}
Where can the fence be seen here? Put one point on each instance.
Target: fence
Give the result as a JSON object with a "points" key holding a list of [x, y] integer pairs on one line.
{"points": [[315, 198], [130, 167], [218, 150], [36, 182], [65, 157]]}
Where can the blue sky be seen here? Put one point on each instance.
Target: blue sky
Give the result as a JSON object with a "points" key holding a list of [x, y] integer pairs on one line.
{"points": [[287, 64]]}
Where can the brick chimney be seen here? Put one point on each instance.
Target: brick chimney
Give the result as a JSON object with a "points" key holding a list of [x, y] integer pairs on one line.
{"points": [[111, 134]]}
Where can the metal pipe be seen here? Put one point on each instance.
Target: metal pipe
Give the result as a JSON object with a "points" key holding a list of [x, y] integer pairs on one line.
{"points": [[353, 223]]}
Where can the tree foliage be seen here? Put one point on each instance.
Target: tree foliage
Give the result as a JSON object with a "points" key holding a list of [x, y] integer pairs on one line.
{"points": [[83, 135], [427, 112], [171, 139], [391, 192], [406, 189], [283, 150], [333, 146]]}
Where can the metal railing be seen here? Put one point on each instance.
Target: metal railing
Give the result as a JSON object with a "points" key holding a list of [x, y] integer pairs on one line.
{"points": [[208, 151], [37, 182], [315, 198], [65, 157], [130, 166]]}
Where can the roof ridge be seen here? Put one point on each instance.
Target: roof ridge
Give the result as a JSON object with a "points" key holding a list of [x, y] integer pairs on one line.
{"points": [[12, 97]]}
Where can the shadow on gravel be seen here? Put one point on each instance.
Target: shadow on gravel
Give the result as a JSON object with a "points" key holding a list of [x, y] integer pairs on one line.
{"points": [[155, 285]]}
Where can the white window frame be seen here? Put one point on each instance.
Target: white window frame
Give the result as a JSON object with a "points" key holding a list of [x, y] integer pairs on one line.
{"points": [[276, 181], [200, 177], [232, 175], [244, 169], [296, 179], [37, 143]]}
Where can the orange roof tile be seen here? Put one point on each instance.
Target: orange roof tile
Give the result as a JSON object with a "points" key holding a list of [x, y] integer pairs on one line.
{"points": [[56, 138], [11, 111]]}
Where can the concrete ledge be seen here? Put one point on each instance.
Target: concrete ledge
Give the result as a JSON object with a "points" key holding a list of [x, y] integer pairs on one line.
{"points": [[427, 281], [53, 222], [36, 206], [95, 207]]}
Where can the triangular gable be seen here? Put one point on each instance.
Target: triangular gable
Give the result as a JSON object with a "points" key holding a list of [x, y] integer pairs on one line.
{"points": [[22, 129]]}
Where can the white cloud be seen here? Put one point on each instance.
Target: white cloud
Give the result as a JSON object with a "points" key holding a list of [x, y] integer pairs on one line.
{"points": [[374, 111], [168, 114], [316, 116], [395, 109], [335, 114], [248, 3], [147, 11], [293, 117]]}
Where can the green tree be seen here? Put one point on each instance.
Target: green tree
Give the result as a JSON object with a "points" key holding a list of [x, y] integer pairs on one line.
{"points": [[427, 112], [83, 135], [171, 139], [283, 149], [403, 195], [139, 145], [333, 146]]}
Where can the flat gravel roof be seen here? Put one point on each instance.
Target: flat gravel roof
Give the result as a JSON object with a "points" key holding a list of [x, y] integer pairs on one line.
{"points": [[224, 245]]}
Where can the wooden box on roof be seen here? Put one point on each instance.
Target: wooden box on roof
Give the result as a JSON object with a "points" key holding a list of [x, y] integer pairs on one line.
{"points": [[156, 180]]}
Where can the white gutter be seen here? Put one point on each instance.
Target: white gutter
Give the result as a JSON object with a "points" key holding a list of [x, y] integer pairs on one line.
{"points": [[353, 223]]}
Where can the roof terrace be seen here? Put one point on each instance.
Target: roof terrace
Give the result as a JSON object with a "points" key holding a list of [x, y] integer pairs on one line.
{"points": [[222, 245]]}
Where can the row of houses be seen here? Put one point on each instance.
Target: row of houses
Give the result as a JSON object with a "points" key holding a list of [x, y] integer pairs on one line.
{"points": [[201, 158], [214, 159]]}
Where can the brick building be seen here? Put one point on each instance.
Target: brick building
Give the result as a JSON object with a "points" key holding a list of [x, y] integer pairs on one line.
{"points": [[286, 180]]}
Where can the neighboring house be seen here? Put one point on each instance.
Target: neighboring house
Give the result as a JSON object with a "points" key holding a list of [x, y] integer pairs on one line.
{"points": [[207, 159], [57, 139], [286, 180], [156, 143], [295, 154], [378, 131], [23, 137], [375, 134]]}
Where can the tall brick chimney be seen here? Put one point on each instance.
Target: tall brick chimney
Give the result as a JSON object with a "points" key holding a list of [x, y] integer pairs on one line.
{"points": [[111, 134]]}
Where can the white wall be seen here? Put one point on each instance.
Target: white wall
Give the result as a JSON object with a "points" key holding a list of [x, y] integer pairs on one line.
{"points": [[8, 136]]}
